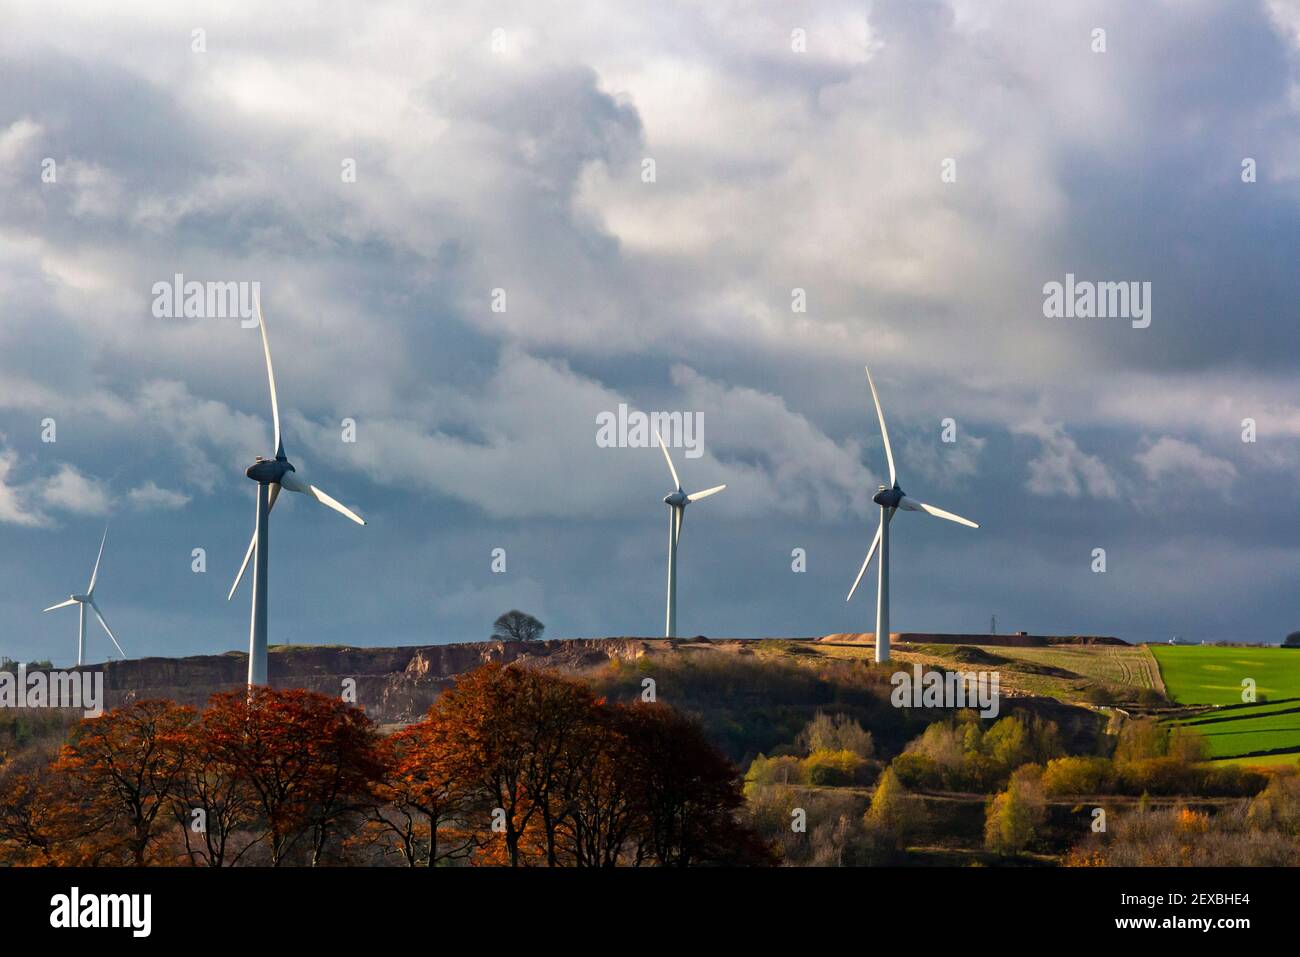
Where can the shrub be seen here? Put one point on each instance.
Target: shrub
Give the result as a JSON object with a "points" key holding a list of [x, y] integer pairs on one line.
{"points": [[959, 754], [833, 835], [1278, 805], [1141, 738], [834, 768], [1079, 775], [1185, 838], [839, 732], [786, 769], [916, 770]]}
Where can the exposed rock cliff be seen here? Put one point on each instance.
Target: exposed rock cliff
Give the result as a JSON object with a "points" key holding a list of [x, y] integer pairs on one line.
{"points": [[392, 684]]}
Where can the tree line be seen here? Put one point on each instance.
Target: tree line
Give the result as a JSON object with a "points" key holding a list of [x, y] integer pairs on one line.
{"points": [[512, 766]]}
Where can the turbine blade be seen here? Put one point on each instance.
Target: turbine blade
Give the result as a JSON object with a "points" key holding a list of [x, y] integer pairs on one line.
{"points": [[912, 505], [295, 484], [95, 574], [696, 496], [100, 616], [62, 604], [680, 513], [884, 432], [252, 542], [865, 562], [270, 377], [669, 459]]}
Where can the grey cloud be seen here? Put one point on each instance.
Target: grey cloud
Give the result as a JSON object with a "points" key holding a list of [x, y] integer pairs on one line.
{"points": [[1062, 468], [1170, 460], [775, 170]]}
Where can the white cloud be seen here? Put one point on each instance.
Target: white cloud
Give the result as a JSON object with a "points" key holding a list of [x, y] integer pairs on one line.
{"points": [[526, 446], [772, 457], [1062, 468], [944, 464], [1174, 461], [150, 496], [96, 191], [71, 491], [14, 505], [18, 145]]}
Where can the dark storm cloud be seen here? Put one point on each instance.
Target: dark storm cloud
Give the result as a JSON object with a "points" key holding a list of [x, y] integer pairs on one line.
{"points": [[514, 160]]}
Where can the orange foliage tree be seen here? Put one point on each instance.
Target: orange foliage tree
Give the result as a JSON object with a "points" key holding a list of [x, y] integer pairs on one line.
{"points": [[33, 814], [120, 772], [427, 794], [570, 779], [308, 761], [512, 766]]}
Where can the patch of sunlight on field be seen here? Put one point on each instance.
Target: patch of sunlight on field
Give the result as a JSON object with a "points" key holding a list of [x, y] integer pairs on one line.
{"points": [[1205, 674]]}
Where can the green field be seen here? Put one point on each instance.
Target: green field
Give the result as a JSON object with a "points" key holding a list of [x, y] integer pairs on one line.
{"points": [[1207, 674], [1236, 731], [1211, 675]]}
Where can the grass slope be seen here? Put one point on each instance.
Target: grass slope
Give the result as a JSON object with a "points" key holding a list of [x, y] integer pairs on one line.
{"points": [[1208, 674], [1231, 732], [1242, 733], [1064, 672]]}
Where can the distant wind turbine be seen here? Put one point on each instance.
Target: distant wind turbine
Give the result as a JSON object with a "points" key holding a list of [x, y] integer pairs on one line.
{"points": [[677, 503], [890, 498], [88, 600], [270, 475]]}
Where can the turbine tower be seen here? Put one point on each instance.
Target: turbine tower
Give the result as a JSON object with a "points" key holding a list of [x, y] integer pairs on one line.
{"points": [[271, 475], [88, 600], [677, 503], [890, 498]]}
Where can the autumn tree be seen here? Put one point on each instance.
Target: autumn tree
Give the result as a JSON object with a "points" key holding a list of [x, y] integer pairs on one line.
{"points": [[838, 732], [308, 760], [213, 804], [687, 792], [1013, 817], [121, 771], [896, 814], [427, 793], [31, 825], [520, 725], [604, 801], [573, 780]]}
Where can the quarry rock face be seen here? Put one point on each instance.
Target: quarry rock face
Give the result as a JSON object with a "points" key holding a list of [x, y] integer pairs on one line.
{"points": [[393, 685]]}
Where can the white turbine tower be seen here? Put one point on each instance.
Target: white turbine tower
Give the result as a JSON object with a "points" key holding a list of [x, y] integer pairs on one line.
{"points": [[271, 475], [677, 503], [88, 600], [890, 498]]}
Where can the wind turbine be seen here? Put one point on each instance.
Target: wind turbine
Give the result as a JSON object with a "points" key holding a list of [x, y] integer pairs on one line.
{"points": [[271, 475], [890, 498], [677, 503], [88, 599]]}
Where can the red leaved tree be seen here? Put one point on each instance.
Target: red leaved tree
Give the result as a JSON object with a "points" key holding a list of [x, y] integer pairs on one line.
{"points": [[308, 761]]}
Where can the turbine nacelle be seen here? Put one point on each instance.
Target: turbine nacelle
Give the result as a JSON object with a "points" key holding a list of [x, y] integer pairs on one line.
{"points": [[888, 497], [678, 499], [269, 471]]}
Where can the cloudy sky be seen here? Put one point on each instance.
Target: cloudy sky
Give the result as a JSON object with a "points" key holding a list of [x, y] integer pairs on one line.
{"points": [[920, 170]]}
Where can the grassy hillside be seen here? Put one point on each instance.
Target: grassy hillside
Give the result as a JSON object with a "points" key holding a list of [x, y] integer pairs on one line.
{"points": [[1264, 733], [1246, 730], [1066, 672], [1207, 674]]}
